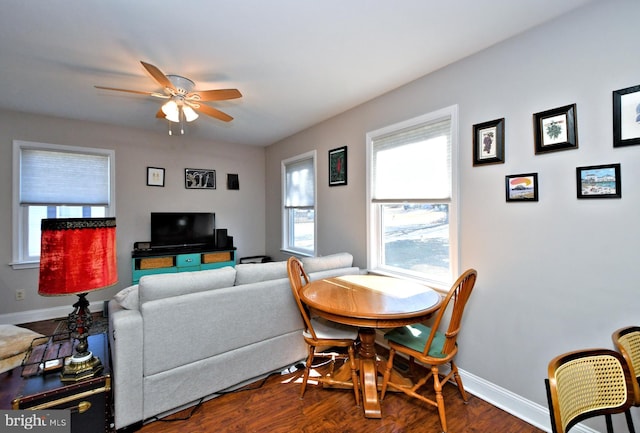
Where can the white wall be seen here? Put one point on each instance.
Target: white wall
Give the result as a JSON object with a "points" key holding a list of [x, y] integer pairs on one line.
{"points": [[555, 275], [241, 212]]}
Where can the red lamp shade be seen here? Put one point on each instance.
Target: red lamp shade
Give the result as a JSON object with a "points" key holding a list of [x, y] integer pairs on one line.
{"points": [[78, 255]]}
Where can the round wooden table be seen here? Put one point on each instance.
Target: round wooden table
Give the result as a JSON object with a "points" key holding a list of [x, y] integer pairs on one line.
{"points": [[370, 302]]}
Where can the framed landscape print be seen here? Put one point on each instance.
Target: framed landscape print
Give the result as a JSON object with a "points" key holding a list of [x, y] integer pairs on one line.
{"points": [[196, 178], [555, 129], [599, 181], [522, 187], [338, 166], [488, 142], [626, 117]]}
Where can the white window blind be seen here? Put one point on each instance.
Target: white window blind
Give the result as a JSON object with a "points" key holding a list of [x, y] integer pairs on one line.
{"points": [[414, 163], [53, 177], [300, 179]]}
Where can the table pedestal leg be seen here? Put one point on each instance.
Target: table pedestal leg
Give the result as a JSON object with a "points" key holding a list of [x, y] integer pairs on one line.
{"points": [[369, 373]]}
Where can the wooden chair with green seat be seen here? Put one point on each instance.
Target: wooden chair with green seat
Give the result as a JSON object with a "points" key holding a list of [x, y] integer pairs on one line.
{"points": [[627, 342], [318, 332], [430, 346], [587, 383]]}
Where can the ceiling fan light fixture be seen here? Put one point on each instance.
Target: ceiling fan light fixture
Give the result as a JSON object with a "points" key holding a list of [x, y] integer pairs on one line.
{"points": [[171, 111], [189, 113]]}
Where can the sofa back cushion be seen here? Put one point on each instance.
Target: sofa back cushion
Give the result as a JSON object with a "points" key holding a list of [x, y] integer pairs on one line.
{"points": [[332, 261], [152, 287], [247, 273]]}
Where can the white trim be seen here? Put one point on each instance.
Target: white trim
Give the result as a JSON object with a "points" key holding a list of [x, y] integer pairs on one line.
{"points": [[45, 313]]}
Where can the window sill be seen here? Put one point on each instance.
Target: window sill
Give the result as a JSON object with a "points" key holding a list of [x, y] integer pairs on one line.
{"points": [[25, 265]]}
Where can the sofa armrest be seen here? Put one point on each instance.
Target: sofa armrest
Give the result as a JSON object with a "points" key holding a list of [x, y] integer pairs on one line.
{"points": [[125, 340]]}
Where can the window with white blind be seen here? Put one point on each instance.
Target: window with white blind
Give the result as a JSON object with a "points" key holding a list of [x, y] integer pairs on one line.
{"points": [[299, 204], [412, 197], [55, 181]]}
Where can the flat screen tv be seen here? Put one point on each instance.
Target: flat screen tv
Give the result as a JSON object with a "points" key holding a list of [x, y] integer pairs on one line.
{"points": [[182, 229]]}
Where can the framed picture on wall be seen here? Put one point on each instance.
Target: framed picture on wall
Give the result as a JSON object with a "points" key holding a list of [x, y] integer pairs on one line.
{"points": [[626, 116], [155, 176], [599, 181], [196, 178], [522, 187], [555, 129], [488, 142], [338, 166]]}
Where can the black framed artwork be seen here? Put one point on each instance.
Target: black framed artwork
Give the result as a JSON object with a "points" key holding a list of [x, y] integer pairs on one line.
{"points": [[155, 176], [626, 117], [197, 178], [338, 166], [556, 129], [488, 142], [522, 187], [599, 181]]}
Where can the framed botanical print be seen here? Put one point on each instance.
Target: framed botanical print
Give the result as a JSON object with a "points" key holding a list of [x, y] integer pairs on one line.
{"points": [[556, 129], [626, 116], [488, 142]]}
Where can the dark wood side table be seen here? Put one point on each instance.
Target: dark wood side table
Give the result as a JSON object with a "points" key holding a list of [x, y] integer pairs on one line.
{"points": [[88, 400]]}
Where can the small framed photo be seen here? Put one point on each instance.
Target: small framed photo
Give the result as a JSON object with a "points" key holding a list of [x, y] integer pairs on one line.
{"points": [[338, 166], [233, 182], [488, 142], [196, 178], [155, 176], [626, 116], [599, 181], [556, 129], [522, 187]]}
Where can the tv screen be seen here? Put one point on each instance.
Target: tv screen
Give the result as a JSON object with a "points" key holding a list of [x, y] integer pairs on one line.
{"points": [[182, 229]]}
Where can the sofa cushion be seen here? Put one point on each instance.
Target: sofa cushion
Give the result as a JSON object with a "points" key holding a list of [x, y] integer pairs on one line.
{"points": [[168, 285], [332, 261], [128, 298], [248, 273]]}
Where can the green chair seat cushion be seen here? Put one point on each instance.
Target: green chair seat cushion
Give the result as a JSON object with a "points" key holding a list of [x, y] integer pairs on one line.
{"points": [[415, 337]]}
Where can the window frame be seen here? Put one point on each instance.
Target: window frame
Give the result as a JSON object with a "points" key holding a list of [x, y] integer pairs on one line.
{"points": [[20, 238], [374, 209], [287, 228]]}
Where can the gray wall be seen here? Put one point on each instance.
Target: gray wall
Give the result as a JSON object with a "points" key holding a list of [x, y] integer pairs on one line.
{"points": [[555, 275], [241, 212]]}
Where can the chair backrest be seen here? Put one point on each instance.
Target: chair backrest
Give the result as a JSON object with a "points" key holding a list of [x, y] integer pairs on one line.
{"points": [[298, 278], [458, 296], [587, 383], [627, 341]]}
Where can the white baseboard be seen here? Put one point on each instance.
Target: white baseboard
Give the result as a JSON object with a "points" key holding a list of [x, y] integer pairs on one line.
{"points": [[506, 400], [44, 314]]}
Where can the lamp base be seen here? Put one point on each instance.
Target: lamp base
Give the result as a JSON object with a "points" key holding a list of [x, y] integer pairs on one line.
{"points": [[80, 367]]}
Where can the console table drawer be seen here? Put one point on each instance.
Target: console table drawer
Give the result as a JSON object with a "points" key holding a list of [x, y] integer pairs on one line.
{"points": [[184, 260], [155, 263]]}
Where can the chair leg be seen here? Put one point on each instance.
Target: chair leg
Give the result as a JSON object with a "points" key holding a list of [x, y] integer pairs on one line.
{"points": [[354, 375], [387, 374], [307, 370], [437, 387], [458, 379], [627, 414], [607, 418]]}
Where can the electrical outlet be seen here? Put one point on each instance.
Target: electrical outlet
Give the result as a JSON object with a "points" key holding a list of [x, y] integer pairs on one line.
{"points": [[19, 295]]}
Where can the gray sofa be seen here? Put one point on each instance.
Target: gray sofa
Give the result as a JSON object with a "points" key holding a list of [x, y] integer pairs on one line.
{"points": [[177, 338]]}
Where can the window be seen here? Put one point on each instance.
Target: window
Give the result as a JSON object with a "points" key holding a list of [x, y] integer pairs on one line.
{"points": [[411, 195], [299, 207], [54, 181]]}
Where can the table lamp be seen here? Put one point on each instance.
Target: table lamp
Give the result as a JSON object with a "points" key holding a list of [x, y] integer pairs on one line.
{"points": [[78, 255]]}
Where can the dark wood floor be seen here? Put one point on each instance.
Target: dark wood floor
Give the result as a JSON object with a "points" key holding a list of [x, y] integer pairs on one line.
{"points": [[274, 406]]}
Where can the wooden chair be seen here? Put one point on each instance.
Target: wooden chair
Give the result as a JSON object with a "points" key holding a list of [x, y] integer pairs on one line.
{"points": [[588, 383], [627, 342], [432, 347], [318, 332]]}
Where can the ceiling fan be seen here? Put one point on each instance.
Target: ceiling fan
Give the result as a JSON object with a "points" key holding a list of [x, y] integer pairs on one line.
{"points": [[183, 103]]}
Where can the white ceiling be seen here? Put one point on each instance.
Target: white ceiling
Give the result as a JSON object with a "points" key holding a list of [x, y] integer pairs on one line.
{"points": [[296, 62]]}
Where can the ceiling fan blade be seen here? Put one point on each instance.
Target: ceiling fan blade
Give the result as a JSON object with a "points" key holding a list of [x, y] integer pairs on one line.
{"points": [[215, 95], [158, 75], [210, 111], [157, 95]]}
